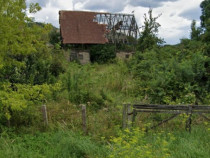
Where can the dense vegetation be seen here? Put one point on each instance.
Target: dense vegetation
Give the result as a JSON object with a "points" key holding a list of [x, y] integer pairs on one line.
{"points": [[34, 71]]}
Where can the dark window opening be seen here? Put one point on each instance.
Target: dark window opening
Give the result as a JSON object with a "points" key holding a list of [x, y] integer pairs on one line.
{"points": [[127, 56], [80, 56]]}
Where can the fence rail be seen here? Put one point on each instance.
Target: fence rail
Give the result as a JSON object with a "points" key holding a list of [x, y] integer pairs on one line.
{"points": [[130, 112]]}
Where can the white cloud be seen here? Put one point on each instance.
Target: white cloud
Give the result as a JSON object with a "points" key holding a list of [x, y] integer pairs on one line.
{"points": [[148, 3], [50, 10], [173, 25], [175, 20], [109, 5]]}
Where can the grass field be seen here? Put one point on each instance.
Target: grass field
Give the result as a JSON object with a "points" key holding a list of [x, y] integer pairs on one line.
{"points": [[63, 143], [103, 88]]}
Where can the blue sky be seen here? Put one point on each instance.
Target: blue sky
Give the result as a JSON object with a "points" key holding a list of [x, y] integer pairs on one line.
{"points": [[175, 20]]}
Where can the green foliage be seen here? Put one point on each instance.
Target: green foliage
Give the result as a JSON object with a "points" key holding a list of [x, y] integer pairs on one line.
{"points": [[58, 144], [132, 144], [175, 144], [19, 101], [148, 37], [102, 53], [25, 55], [205, 23], [81, 88], [31, 61], [194, 144], [195, 32], [10, 101], [205, 17], [34, 7], [172, 76], [55, 37]]}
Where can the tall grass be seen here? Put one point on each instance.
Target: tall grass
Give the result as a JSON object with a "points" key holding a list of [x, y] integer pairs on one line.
{"points": [[57, 144], [191, 145], [103, 88], [97, 85], [173, 144]]}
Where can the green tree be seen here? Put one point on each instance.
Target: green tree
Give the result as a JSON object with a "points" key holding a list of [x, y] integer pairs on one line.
{"points": [[205, 24], [205, 21], [195, 31], [174, 74], [24, 49], [149, 36], [205, 17], [26, 59]]}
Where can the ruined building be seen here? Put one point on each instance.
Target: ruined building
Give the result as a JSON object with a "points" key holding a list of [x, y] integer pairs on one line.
{"points": [[87, 28]]}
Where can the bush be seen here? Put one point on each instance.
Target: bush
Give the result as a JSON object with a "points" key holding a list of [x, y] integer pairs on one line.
{"points": [[20, 103], [171, 76], [58, 144], [133, 144], [102, 53]]}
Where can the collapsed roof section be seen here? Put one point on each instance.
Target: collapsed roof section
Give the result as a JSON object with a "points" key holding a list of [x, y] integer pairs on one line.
{"points": [[79, 27]]}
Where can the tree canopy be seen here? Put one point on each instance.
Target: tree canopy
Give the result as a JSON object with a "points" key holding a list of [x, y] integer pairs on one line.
{"points": [[149, 35]]}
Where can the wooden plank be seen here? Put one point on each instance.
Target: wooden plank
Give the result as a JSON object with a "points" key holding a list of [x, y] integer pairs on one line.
{"points": [[164, 121], [160, 111], [161, 107], [198, 107], [205, 117], [171, 107], [200, 112], [203, 109]]}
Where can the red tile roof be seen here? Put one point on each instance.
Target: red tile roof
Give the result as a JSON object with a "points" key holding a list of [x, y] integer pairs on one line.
{"points": [[78, 27]]}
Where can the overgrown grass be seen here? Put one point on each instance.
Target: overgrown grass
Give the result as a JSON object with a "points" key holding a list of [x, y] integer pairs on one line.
{"points": [[98, 85], [190, 145], [57, 144], [103, 88], [63, 143], [159, 144]]}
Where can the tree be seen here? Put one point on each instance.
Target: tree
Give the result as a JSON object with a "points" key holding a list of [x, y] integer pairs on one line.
{"points": [[195, 32], [205, 20], [205, 24], [149, 36], [26, 61], [173, 74], [205, 17], [25, 55]]}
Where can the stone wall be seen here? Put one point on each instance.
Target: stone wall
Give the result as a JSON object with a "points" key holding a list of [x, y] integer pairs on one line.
{"points": [[80, 55], [83, 56], [124, 55]]}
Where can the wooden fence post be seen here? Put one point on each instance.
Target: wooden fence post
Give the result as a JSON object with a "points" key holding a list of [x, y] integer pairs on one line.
{"points": [[134, 116], [127, 116], [124, 123], [44, 112], [84, 122], [189, 120]]}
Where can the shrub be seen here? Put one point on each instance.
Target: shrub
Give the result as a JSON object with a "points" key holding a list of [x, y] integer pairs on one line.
{"points": [[19, 103], [102, 53], [171, 77], [132, 144]]}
